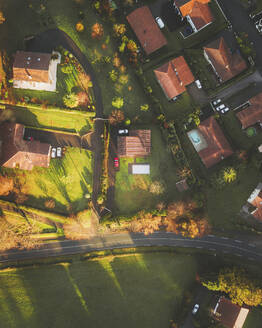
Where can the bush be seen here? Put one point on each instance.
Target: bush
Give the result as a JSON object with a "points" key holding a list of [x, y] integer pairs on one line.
{"points": [[80, 27], [71, 100], [118, 102], [67, 69]]}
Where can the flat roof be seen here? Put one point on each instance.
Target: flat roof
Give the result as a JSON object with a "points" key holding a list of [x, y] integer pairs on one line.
{"points": [[140, 169]]}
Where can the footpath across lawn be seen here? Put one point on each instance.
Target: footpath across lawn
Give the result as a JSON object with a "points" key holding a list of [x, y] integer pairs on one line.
{"points": [[140, 290]]}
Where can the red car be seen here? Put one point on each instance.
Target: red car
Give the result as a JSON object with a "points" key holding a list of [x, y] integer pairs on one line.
{"points": [[116, 162]]}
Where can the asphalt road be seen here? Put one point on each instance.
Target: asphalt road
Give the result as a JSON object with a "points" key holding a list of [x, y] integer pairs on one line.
{"points": [[247, 250]]}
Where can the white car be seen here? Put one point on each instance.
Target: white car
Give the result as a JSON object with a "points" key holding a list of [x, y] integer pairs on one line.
{"points": [[160, 22], [198, 84], [216, 102], [123, 132], [59, 152], [195, 309], [223, 111], [220, 107], [53, 153]]}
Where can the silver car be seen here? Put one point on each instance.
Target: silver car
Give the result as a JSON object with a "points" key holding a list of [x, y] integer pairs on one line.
{"points": [[53, 153], [220, 107]]}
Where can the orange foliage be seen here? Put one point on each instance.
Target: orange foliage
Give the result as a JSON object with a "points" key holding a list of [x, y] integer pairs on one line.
{"points": [[146, 223], [97, 31], [83, 98]]}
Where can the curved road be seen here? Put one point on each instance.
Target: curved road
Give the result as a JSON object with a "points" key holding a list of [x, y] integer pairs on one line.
{"points": [[46, 42], [246, 250]]}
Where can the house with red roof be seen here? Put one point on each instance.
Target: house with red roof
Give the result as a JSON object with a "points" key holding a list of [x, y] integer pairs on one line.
{"points": [[174, 76], [253, 113], [230, 315], [225, 63], [254, 203], [196, 12], [210, 142], [15, 152], [146, 29], [136, 144]]}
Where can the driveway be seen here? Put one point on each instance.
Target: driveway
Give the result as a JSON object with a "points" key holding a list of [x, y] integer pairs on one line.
{"points": [[56, 139]]}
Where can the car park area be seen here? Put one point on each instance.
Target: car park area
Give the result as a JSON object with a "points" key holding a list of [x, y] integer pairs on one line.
{"points": [[219, 107]]}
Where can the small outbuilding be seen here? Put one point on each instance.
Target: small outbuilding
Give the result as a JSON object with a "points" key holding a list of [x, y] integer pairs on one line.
{"points": [[140, 168]]}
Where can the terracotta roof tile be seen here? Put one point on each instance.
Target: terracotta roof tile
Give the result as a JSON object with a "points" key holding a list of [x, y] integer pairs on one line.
{"points": [[137, 144], [174, 76], [31, 66], [17, 152], [252, 114], [146, 29], [201, 15], [230, 314], [218, 147], [186, 6], [226, 64]]}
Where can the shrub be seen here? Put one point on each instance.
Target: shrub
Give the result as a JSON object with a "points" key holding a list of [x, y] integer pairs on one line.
{"points": [[123, 79], [67, 69], [113, 75], [80, 27], [119, 29], [144, 107], [116, 117], [229, 174], [157, 188], [97, 31], [118, 102], [71, 100]]}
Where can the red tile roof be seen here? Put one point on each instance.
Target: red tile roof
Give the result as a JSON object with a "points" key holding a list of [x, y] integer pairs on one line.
{"points": [[226, 64], [230, 314], [137, 144], [218, 147], [256, 200], [174, 76], [16, 152], [252, 114], [146, 29], [31, 66], [201, 15], [186, 6]]}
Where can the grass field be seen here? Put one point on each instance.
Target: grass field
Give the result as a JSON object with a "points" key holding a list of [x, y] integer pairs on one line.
{"points": [[141, 290], [133, 191], [66, 181]]}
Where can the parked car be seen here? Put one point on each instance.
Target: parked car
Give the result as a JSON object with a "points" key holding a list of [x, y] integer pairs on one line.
{"points": [[29, 138], [225, 110], [216, 102], [160, 22], [53, 153], [123, 132], [116, 162], [175, 98], [59, 152], [198, 84], [195, 308], [220, 107]]}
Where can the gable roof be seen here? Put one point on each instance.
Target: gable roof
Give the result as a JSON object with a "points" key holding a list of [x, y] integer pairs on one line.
{"points": [[201, 15], [31, 66], [252, 114], [137, 144], [17, 152], [146, 29], [230, 314], [186, 6], [174, 76], [256, 200], [226, 64], [217, 147]]}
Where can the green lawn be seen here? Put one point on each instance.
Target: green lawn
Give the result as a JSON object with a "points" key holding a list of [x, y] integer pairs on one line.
{"points": [[254, 319], [53, 119], [140, 290], [66, 181], [133, 191]]}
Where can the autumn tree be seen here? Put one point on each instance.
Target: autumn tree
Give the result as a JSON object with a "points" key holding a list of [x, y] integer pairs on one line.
{"points": [[229, 174], [131, 46], [97, 31], [236, 283], [2, 17], [50, 203], [119, 29], [71, 100], [117, 116], [6, 185], [85, 81], [80, 27], [118, 102], [146, 223]]}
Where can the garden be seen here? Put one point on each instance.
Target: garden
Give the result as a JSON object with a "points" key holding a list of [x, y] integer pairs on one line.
{"points": [[66, 184]]}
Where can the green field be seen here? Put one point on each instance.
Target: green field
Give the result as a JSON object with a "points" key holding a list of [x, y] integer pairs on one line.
{"points": [[66, 181], [133, 191], [140, 290]]}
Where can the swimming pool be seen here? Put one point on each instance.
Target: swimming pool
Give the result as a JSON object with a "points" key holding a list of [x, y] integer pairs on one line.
{"points": [[195, 137]]}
